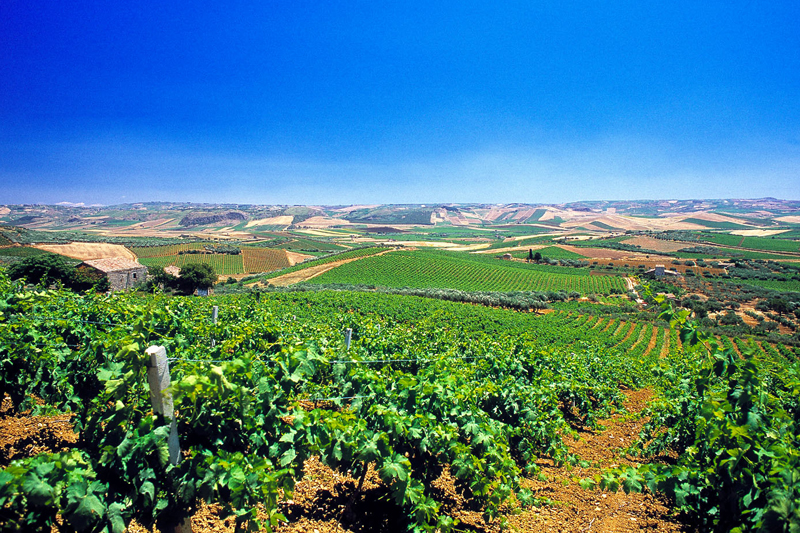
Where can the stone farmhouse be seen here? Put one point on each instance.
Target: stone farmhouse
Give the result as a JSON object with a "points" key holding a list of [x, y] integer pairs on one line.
{"points": [[661, 272], [122, 273]]}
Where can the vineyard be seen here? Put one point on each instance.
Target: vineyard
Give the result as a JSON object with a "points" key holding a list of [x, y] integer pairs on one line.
{"points": [[427, 392], [434, 269], [264, 259], [250, 260], [225, 264]]}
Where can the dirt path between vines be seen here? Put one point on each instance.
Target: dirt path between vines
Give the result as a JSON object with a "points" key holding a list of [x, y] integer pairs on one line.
{"points": [[312, 272]]}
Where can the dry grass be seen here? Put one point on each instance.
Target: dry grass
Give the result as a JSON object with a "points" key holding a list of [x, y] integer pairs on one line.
{"points": [[88, 250], [283, 220]]}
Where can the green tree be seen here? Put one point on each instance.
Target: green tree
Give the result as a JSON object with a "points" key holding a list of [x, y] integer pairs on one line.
{"points": [[730, 318], [157, 277], [779, 305], [51, 268], [196, 276], [46, 269], [537, 257]]}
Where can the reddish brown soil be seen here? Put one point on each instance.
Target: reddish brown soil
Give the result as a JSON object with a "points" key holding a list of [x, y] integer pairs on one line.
{"points": [[22, 435], [576, 509]]}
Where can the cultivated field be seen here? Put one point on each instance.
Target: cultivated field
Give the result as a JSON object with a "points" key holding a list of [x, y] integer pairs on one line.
{"points": [[430, 269]]}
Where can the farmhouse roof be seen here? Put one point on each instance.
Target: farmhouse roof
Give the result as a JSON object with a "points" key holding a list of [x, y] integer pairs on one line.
{"points": [[113, 264], [666, 272]]}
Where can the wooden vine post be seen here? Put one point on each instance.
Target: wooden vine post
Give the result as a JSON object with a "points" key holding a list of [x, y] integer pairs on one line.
{"points": [[161, 399], [214, 313]]}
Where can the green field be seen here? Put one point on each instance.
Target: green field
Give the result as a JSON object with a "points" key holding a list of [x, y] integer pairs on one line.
{"points": [[436, 269], [771, 245], [791, 234], [728, 253], [767, 244], [788, 285], [536, 216]]}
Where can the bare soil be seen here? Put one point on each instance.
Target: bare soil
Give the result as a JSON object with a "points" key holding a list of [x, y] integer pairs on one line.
{"points": [[22, 435], [659, 245]]}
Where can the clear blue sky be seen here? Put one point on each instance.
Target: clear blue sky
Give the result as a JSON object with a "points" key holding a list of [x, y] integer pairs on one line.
{"points": [[306, 102]]}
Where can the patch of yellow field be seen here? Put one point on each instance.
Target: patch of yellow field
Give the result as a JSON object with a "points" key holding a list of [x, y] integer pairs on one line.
{"points": [[470, 247], [283, 220], [322, 222], [323, 233], [88, 250], [423, 244], [714, 217], [509, 249], [793, 219], [632, 223], [523, 237], [152, 223], [758, 232], [350, 208]]}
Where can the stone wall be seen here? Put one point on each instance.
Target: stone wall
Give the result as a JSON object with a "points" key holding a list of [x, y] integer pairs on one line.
{"points": [[121, 280]]}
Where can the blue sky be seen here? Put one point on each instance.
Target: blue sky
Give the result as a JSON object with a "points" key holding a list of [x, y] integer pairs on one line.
{"points": [[297, 102]]}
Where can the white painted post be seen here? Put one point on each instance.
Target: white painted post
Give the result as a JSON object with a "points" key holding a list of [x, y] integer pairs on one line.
{"points": [[214, 312], [348, 335], [161, 398]]}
